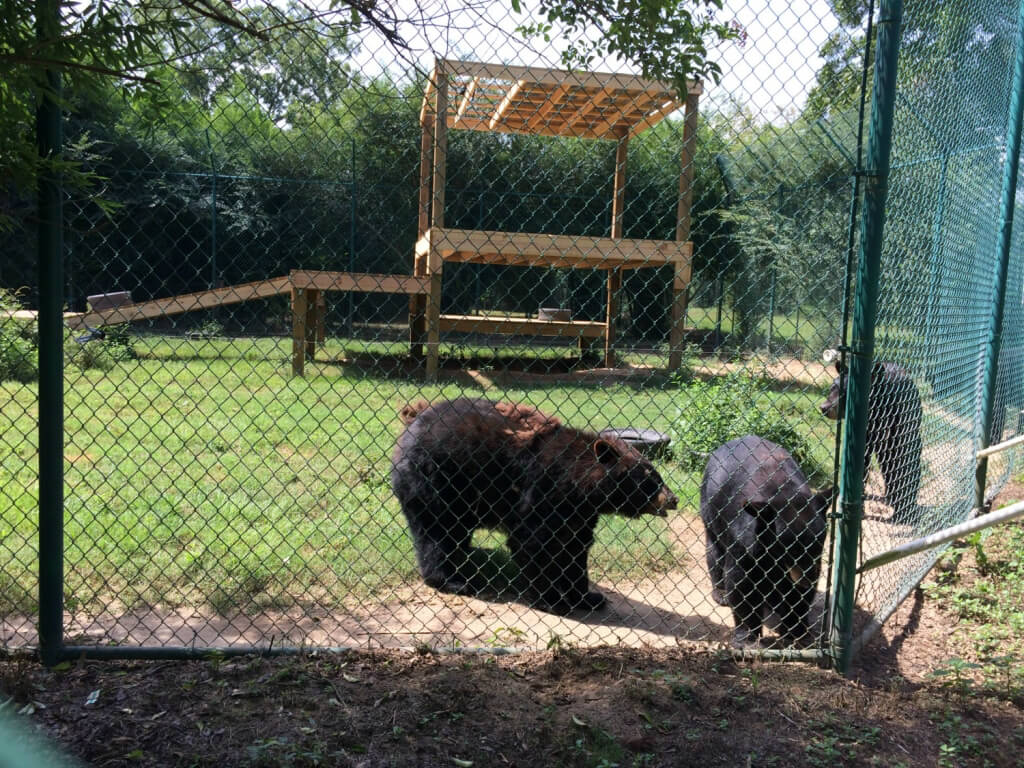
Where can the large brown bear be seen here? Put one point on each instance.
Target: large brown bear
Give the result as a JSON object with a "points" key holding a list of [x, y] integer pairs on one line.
{"points": [[465, 464]]}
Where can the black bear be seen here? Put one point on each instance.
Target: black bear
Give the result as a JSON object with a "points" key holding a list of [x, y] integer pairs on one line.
{"points": [[468, 463], [894, 431], [765, 532]]}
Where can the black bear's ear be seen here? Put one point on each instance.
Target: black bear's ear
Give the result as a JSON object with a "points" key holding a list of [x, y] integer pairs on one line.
{"points": [[606, 452]]}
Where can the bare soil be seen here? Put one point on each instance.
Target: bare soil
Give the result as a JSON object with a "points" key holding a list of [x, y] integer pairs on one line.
{"points": [[571, 706]]}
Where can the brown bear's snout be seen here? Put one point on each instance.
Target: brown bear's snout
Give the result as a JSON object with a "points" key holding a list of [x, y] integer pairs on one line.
{"points": [[665, 501]]}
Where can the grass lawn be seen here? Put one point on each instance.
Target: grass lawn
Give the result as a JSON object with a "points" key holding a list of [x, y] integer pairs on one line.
{"points": [[203, 473]]}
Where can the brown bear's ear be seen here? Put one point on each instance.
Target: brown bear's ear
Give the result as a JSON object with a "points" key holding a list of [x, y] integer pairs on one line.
{"points": [[823, 499], [607, 453]]}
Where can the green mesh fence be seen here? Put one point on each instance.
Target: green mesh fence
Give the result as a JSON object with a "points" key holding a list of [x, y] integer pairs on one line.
{"points": [[323, 233]]}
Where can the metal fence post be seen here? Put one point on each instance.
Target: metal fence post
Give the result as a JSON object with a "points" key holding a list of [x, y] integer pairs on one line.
{"points": [[1007, 202], [51, 349], [876, 177]]}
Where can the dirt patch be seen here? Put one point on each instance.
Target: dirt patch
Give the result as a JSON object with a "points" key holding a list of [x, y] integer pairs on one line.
{"points": [[573, 706]]}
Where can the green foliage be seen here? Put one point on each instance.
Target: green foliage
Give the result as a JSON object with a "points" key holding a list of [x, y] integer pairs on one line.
{"points": [[19, 358], [668, 40], [710, 414]]}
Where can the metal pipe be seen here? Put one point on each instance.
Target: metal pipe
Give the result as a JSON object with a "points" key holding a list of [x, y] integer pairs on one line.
{"points": [[1013, 442], [51, 346], [1003, 515], [862, 347], [1006, 207]]}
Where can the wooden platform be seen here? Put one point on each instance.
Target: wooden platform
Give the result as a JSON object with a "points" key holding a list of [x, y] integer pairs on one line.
{"points": [[477, 96], [539, 250]]}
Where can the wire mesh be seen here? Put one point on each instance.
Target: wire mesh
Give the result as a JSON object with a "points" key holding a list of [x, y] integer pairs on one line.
{"points": [[311, 233]]}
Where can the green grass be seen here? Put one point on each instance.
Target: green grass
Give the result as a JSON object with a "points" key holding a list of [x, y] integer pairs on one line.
{"points": [[204, 474]]}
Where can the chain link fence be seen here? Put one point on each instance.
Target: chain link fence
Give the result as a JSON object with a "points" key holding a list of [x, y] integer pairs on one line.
{"points": [[446, 345]]}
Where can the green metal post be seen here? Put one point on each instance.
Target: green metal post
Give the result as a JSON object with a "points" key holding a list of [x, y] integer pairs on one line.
{"points": [[352, 240], [214, 282], [1010, 166], [862, 345], [51, 351]]}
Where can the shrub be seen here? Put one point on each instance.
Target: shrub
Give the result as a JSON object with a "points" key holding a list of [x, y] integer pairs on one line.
{"points": [[19, 358], [738, 404]]}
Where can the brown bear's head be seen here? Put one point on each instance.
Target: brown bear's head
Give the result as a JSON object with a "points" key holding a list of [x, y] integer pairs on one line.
{"points": [[630, 485]]}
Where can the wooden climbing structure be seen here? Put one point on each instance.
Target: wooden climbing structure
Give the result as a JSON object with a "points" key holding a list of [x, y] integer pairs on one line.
{"points": [[472, 96]]}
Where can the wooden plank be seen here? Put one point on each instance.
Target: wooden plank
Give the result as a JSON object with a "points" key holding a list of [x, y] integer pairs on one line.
{"points": [[358, 282], [440, 159], [506, 102], [571, 127], [619, 184], [467, 99], [312, 300], [614, 289], [686, 169], [433, 327], [188, 302], [532, 249], [556, 77], [426, 109], [524, 326], [540, 117], [677, 330], [298, 331], [426, 158]]}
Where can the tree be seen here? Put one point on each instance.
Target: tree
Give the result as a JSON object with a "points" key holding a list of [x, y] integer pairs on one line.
{"points": [[95, 44]]}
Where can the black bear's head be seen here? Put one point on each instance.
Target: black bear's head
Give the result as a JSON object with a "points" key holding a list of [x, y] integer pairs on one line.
{"points": [[834, 405], [629, 484]]}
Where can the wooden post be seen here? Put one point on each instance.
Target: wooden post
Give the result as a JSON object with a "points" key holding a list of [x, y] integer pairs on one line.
{"points": [[313, 298], [434, 262], [615, 275], [418, 302], [298, 331], [681, 280], [321, 318]]}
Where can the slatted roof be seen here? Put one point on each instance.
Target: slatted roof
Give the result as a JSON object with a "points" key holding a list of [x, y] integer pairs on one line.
{"points": [[549, 102]]}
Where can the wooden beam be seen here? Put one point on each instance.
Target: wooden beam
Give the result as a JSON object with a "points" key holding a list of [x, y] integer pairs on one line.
{"points": [[433, 323], [440, 159], [551, 102], [188, 302], [358, 282], [298, 331], [619, 184], [312, 327], [524, 326], [556, 77], [467, 99], [686, 169], [506, 102], [677, 329], [655, 117], [614, 288], [594, 101]]}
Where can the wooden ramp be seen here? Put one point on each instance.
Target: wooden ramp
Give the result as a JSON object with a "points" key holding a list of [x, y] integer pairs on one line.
{"points": [[186, 302]]}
